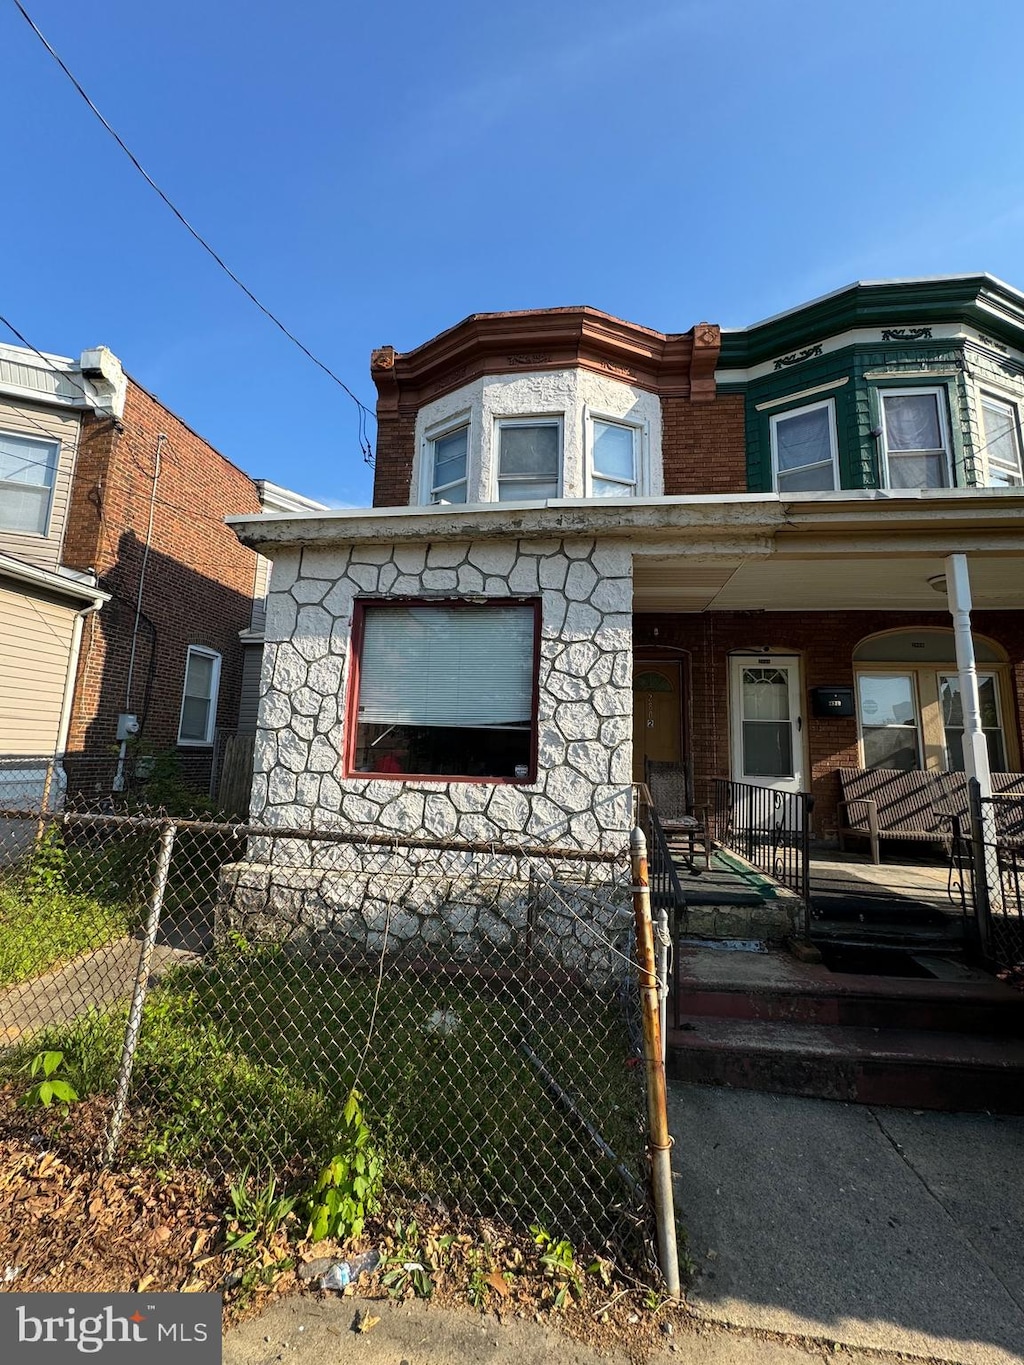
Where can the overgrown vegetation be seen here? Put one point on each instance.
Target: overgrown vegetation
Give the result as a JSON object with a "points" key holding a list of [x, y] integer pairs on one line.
{"points": [[248, 1062], [56, 906]]}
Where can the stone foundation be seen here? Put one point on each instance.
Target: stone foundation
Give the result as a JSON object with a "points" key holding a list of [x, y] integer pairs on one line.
{"points": [[447, 905]]}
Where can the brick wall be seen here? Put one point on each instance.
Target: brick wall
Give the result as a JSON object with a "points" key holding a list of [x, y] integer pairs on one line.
{"points": [[396, 446], [704, 445], [199, 579], [825, 642]]}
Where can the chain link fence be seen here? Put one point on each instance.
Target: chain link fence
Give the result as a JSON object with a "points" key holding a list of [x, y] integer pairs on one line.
{"points": [[220, 989]]}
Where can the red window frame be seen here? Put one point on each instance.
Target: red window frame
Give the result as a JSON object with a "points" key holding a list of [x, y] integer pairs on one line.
{"points": [[359, 608]]}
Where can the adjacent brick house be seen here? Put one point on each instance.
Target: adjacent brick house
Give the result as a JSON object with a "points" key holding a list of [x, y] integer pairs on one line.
{"points": [[704, 528], [121, 504]]}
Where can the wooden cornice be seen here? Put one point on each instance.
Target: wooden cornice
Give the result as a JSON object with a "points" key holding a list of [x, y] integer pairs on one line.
{"points": [[676, 365]]}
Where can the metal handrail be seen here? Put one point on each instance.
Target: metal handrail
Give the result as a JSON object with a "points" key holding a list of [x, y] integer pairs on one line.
{"points": [[666, 888], [771, 829]]}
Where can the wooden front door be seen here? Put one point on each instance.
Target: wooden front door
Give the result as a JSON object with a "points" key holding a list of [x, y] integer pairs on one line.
{"points": [[657, 732]]}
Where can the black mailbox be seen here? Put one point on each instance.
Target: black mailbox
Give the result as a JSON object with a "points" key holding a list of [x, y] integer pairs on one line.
{"points": [[832, 701]]}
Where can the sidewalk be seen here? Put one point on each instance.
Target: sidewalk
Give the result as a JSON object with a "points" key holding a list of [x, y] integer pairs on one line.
{"points": [[885, 1229], [308, 1331]]}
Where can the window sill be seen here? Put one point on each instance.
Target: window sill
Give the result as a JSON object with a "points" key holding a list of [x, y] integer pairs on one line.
{"points": [[435, 778]]}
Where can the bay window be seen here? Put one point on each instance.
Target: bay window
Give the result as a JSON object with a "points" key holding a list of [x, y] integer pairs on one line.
{"points": [[444, 690]]}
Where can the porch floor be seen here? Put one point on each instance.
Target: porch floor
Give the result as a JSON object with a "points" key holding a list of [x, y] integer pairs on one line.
{"points": [[903, 901], [903, 897]]}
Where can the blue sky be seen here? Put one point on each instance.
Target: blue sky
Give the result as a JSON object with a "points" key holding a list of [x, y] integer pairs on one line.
{"points": [[376, 172]]}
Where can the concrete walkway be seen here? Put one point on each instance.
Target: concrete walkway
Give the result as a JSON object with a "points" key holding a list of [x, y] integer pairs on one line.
{"points": [[884, 1229], [101, 978]]}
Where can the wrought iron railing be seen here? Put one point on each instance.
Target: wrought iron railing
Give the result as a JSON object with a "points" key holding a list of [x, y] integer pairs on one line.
{"points": [[666, 888], [988, 858], [770, 829]]}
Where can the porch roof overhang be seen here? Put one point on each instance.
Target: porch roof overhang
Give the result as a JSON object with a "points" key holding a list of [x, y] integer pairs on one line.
{"points": [[729, 552]]}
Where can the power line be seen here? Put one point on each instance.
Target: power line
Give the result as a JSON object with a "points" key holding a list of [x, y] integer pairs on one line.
{"points": [[363, 410]]}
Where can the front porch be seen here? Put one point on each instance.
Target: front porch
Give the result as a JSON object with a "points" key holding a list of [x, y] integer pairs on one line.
{"points": [[908, 904]]}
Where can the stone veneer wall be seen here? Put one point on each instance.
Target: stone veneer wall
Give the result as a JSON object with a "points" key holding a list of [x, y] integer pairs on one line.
{"points": [[582, 795], [581, 800]]}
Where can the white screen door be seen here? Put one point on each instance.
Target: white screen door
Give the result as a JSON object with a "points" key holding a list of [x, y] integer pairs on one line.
{"points": [[767, 729]]}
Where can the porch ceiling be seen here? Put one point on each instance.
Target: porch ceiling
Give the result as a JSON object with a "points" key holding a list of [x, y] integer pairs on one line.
{"points": [[826, 583]]}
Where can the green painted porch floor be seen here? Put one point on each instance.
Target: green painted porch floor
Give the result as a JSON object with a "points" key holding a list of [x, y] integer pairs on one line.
{"points": [[728, 881]]}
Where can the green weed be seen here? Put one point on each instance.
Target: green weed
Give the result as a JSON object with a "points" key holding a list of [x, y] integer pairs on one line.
{"points": [[50, 1087], [255, 1215], [348, 1188]]}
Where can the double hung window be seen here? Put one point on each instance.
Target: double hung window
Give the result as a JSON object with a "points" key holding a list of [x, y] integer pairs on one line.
{"points": [[199, 701], [1000, 431], [804, 449], [449, 453], [28, 469], [529, 459], [915, 437], [614, 463]]}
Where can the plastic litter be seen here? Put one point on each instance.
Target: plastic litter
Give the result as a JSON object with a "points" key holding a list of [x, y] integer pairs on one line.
{"points": [[345, 1272]]}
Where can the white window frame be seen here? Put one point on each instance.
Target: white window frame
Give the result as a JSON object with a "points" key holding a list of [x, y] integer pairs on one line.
{"points": [[539, 419], [53, 445], [983, 676], [833, 437], [641, 453], [896, 670], [1001, 401], [941, 396], [430, 495], [211, 722]]}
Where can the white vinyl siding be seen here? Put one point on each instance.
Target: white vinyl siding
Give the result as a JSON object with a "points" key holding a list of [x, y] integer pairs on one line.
{"points": [[38, 424], [35, 643]]}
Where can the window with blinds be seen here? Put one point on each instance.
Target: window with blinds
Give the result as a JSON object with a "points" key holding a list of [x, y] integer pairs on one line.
{"points": [[446, 690]]}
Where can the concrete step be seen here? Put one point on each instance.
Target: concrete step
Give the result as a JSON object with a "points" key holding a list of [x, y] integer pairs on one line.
{"points": [[916, 1069], [919, 990]]}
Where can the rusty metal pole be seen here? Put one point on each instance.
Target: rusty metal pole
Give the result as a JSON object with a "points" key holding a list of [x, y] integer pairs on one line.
{"points": [[659, 1139], [154, 909]]}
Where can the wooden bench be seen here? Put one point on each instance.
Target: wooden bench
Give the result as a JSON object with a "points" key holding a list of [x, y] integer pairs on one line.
{"points": [[887, 803]]}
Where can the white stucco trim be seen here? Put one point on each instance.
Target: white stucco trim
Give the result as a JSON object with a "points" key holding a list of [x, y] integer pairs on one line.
{"points": [[563, 394]]}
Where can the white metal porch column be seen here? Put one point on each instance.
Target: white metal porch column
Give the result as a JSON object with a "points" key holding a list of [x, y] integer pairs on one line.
{"points": [[976, 764]]}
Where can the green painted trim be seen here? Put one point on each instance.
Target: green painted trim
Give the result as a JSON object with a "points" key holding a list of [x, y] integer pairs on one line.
{"points": [[981, 300]]}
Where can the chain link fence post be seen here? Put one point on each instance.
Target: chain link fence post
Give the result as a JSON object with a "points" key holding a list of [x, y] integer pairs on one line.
{"points": [[154, 908], [659, 1138], [663, 936]]}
